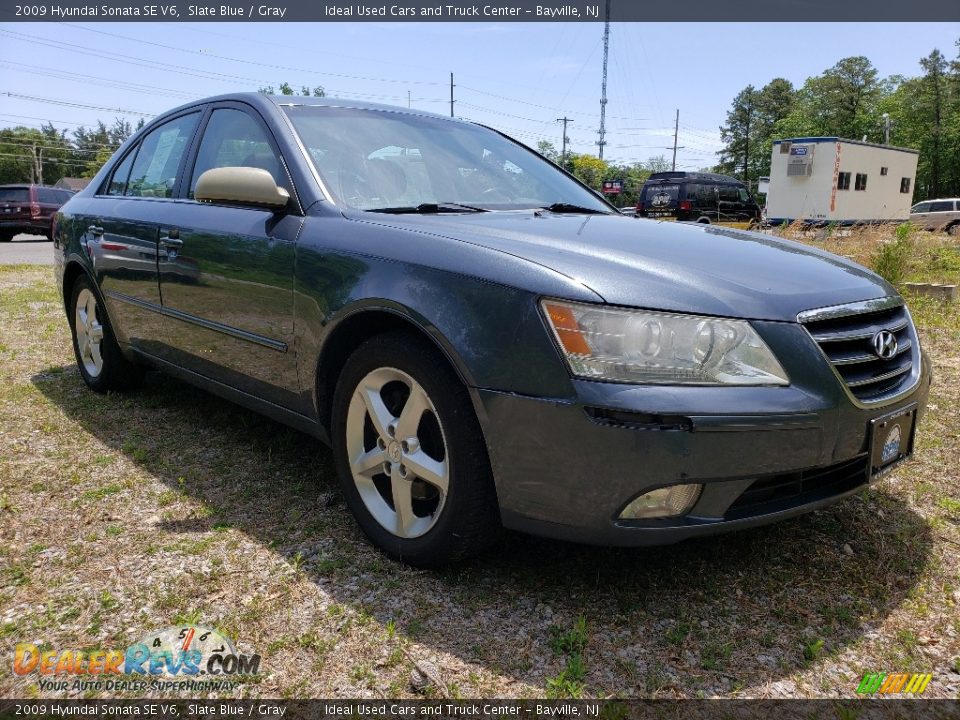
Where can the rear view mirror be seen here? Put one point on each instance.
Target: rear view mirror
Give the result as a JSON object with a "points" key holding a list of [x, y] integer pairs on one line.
{"points": [[246, 185]]}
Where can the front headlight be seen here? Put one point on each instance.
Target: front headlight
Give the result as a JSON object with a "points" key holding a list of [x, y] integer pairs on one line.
{"points": [[638, 346]]}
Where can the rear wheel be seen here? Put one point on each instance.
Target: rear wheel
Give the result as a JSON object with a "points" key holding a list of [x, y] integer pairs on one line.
{"points": [[102, 365], [6, 235], [410, 455], [954, 229]]}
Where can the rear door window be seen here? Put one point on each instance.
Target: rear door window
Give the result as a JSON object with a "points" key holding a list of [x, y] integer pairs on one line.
{"points": [[155, 169], [15, 195], [661, 197], [941, 206]]}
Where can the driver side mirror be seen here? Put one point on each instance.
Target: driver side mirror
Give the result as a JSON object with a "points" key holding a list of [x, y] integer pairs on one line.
{"points": [[245, 185]]}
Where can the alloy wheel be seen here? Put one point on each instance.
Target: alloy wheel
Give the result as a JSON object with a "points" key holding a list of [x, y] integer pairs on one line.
{"points": [[89, 332], [397, 452]]}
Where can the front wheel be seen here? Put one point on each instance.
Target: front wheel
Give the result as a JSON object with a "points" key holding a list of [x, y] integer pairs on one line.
{"points": [[410, 455], [102, 365]]}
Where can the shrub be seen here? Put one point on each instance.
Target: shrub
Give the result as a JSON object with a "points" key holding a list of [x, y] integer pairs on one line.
{"points": [[891, 261]]}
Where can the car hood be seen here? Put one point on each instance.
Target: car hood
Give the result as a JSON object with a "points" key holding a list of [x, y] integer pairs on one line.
{"points": [[666, 265]]}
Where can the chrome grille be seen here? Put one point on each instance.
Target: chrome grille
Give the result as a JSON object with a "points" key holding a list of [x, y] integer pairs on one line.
{"points": [[846, 337]]}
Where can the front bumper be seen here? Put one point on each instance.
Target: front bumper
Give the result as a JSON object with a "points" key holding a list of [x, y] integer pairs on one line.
{"points": [[567, 468]]}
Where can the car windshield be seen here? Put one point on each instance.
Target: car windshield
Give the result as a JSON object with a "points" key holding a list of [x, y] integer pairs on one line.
{"points": [[387, 161]]}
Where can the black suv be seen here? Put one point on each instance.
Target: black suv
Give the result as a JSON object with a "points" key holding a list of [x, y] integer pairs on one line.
{"points": [[29, 209], [697, 197]]}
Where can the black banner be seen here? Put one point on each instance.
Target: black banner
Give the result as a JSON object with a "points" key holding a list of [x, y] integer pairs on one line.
{"points": [[853, 11], [864, 709]]}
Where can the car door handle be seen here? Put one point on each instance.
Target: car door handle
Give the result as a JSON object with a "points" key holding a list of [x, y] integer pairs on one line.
{"points": [[172, 239], [95, 230]]}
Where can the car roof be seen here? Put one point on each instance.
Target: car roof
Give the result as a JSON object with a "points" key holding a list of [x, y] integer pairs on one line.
{"points": [[265, 102], [938, 200], [679, 175]]}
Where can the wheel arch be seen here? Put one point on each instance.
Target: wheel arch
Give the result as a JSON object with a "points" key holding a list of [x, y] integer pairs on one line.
{"points": [[358, 326], [74, 269]]}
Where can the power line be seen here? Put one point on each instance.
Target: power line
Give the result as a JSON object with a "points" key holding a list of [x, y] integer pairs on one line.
{"points": [[76, 105]]}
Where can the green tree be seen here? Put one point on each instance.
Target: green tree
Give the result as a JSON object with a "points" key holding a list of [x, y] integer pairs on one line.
{"points": [[590, 169], [32, 155], [286, 89], [843, 102], [548, 150]]}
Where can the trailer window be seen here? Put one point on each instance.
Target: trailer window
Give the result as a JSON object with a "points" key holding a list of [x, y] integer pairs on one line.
{"points": [[904, 185], [861, 182], [843, 181], [883, 171]]}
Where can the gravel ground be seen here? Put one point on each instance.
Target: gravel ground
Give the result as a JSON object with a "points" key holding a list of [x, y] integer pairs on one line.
{"points": [[120, 515]]}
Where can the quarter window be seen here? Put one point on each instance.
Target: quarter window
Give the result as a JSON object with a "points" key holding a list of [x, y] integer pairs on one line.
{"points": [[861, 183], [905, 185], [234, 139], [155, 168], [843, 181], [118, 183]]}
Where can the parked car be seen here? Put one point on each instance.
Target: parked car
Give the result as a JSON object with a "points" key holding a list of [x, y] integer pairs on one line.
{"points": [[29, 209], [697, 197], [483, 340], [938, 215]]}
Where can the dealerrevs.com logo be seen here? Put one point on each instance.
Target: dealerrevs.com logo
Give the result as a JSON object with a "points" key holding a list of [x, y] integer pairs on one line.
{"points": [[895, 683], [174, 658]]}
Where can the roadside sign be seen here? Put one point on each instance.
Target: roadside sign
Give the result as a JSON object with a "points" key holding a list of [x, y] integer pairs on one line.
{"points": [[612, 187]]}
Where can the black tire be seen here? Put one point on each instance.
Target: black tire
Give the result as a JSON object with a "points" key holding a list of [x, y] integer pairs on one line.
{"points": [[115, 371], [468, 520], [6, 235]]}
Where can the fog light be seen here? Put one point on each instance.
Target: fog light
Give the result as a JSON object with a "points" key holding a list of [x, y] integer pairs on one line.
{"points": [[663, 502]]}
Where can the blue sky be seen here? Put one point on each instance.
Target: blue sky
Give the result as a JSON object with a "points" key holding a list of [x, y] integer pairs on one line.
{"points": [[517, 77]]}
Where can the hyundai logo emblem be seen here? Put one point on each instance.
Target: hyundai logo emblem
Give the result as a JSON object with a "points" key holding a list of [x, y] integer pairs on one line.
{"points": [[885, 344]]}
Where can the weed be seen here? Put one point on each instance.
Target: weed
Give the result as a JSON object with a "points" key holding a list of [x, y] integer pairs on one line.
{"points": [[573, 640], [812, 650], [891, 260], [677, 633], [715, 655]]}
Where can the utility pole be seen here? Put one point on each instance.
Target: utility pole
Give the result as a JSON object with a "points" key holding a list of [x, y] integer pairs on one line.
{"points": [[408, 99], [603, 89], [36, 164], [451, 94], [676, 130], [746, 143], [563, 153], [887, 124]]}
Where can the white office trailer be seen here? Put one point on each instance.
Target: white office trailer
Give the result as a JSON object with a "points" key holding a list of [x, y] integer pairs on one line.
{"points": [[821, 180]]}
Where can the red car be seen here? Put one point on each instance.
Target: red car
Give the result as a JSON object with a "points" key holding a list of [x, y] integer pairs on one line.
{"points": [[29, 209]]}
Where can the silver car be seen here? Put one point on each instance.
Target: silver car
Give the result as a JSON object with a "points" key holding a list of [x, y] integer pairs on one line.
{"points": [[938, 215]]}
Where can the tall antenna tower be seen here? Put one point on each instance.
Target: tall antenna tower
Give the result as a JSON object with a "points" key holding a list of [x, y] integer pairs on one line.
{"points": [[603, 90]]}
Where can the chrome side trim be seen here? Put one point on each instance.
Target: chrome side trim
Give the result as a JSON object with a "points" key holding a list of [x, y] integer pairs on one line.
{"points": [[200, 322]]}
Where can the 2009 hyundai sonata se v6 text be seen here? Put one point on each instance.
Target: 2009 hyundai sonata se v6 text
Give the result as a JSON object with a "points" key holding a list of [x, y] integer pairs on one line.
{"points": [[483, 340]]}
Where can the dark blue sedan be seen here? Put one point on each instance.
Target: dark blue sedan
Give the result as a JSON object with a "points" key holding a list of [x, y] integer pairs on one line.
{"points": [[483, 340]]}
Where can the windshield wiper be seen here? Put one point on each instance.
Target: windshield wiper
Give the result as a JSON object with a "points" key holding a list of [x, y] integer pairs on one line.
{"points": [[562, 207], [428, 208]]}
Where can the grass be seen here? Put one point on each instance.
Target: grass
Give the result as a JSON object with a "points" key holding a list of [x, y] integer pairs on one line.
{"points": [[122, 515]]}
